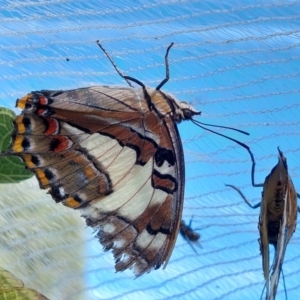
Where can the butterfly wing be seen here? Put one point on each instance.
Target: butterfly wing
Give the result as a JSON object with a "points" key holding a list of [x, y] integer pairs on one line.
{"points": [[102, 150], [278, 216], [287, 228], [264, 241]]}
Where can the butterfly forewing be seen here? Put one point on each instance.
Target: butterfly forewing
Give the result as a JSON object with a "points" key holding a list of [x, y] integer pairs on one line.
{"points": [[287, 228], [104, 151]]}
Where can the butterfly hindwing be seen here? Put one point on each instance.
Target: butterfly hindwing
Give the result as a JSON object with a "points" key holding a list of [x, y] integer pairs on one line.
{"points": [[104, 151]]}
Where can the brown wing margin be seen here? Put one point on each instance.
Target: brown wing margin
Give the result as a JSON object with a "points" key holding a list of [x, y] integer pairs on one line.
{"points": [[167, 219], [171, 138]]}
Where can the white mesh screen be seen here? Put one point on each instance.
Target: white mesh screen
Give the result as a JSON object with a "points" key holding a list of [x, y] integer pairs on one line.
{"points": [[236, 61]]}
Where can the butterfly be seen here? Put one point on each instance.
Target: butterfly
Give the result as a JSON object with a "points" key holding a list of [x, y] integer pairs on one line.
{"points": [[188, 233], [277, 219], [115, 154]]}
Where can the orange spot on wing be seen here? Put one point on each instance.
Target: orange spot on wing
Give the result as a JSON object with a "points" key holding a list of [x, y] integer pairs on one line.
{"points": [[19, 124], [28, 160], [42, 177], [71, 202], [103, 186], [89, 172], [64, 144], [17, 145], [40, 111], [52, 126], [43, 100], [21, 103], [78, 159]]}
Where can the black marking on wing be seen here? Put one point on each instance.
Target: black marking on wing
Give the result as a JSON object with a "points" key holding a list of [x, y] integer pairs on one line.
{"points": [[162, 155], [25, 144], [35, 160], [151, 231], [49, 174], [54, 144], [164, 176]]}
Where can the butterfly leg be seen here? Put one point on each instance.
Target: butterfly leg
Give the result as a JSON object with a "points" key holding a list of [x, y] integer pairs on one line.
{"points": [[283, 279], [252, 181], [243, 196], [190, 243], [190, 226], [284, 285], [167, 69], [253, 171], [191, 221]]}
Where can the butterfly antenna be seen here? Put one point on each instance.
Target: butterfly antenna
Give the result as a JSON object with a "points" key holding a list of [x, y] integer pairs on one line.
{"points": [[115, 66], [225, 127], [227, 137], [236, 141]]}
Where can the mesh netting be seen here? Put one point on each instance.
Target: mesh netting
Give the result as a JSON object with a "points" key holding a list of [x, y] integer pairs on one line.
{"points": [[236, 61]]}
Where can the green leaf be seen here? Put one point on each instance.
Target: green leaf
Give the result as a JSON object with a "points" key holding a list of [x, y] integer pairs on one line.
{"points": [[12, 288], [12, 169]]}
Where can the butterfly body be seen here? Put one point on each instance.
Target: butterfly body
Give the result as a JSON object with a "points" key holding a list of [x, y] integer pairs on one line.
{"points": [[114, 153]]}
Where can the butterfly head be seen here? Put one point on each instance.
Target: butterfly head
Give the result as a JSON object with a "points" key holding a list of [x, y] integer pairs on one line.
{"points": [[187, 111], [279, 172], [282, 159], [278, 180], [166, 104]]}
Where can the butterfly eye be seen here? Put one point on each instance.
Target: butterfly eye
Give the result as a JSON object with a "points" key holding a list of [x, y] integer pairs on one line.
{"points": [[187, 110], [187, 114]]}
